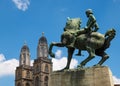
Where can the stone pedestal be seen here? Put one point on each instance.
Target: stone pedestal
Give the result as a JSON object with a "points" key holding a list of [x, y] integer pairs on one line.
{"points": [[94, 76]]}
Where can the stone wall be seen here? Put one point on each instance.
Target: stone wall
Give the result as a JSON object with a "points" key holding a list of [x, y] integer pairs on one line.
{"points": [[94, 76]]}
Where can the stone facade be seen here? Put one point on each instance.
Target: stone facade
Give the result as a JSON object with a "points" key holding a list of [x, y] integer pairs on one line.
{"points": [[94, 76], [38, 74]]}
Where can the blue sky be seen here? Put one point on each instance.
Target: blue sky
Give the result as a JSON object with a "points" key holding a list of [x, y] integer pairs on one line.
{"points": [[27, 19]]}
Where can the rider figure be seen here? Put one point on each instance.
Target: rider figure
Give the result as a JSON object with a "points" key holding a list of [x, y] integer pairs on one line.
{"points": [[91, 25]]}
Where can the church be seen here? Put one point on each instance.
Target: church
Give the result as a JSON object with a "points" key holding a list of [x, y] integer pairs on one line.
{"points": [[38, 74]]}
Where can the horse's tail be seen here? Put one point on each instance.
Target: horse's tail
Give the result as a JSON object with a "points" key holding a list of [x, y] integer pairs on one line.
{"points": [[97, 39], [110, 32], [109, 35]]}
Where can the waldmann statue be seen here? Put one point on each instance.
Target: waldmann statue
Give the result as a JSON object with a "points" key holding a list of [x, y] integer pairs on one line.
{"points": [[87, 39]]}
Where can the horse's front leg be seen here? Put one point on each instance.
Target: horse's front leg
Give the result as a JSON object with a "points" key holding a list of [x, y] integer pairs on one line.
{"points": [[51, 47], [70, 53], [50, 50]]}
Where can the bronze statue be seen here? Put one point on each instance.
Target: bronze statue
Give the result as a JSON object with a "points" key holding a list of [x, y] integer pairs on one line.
{"points": [[93, 42], [91, 23]]}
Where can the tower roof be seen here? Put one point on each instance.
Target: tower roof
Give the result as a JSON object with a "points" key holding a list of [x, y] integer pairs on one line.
{"points": [[43, 39], [25, 48]]}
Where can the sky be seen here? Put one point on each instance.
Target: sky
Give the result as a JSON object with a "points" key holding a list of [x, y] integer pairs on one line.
{"points": [[25, 20]]}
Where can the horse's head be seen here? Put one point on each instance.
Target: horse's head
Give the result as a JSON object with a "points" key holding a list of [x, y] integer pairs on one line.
{"points": [[73, 24]]}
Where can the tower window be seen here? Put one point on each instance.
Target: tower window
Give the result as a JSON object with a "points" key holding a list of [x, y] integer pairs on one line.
{"points": [[28, 74], [37, 81], [46, 68], [46, 81], [27, 84], [24, 58], [18, 84], [37, 68]]}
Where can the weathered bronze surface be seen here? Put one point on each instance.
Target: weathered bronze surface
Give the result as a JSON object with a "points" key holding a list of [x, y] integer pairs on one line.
{"points": [[87, 39]]}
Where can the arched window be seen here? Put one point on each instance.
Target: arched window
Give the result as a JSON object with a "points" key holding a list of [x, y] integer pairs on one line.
{"points": [[37, 68], [46, 68], [18, 84], [28, 74], [46, 81], [27, 84], [18, 74], [37, 81]]}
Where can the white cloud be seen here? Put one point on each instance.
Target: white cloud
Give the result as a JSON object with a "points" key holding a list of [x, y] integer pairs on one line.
{"points": [[2, 58], [116, 80], [31, 63], [7, 67], [58, 53], [59, 64], [22, 4]]}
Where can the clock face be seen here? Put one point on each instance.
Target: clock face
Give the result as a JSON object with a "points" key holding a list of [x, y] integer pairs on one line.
{"points": [[43, 51]]}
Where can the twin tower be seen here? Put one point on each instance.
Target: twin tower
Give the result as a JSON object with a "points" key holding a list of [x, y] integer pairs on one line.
{"points": [[38, 74]]}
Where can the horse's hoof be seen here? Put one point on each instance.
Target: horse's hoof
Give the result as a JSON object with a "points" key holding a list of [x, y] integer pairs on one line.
{"points": [[80, 66], [52, 55], [97, 65]]}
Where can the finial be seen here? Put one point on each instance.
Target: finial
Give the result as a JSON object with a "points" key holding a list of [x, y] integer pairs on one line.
{"points": [[42, 33], [25, 43]]}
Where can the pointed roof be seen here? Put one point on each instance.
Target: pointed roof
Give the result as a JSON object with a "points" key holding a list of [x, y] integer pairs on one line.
{"points": [[43, 39], [25, 47]]}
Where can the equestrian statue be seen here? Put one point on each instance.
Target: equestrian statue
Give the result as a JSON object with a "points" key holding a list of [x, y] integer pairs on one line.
{"points": [[87, 39]]}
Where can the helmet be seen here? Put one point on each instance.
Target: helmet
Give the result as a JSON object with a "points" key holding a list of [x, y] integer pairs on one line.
{"points": [[89, 11]]}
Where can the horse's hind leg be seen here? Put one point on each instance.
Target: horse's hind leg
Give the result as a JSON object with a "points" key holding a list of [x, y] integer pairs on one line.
{"points": [[104, 58], [91, 56]]}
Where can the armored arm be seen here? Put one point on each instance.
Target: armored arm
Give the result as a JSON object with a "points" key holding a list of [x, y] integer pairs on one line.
{"points": [[91, 21]]}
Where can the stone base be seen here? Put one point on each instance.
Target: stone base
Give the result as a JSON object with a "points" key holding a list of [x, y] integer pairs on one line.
{"points": [[94, 76]]}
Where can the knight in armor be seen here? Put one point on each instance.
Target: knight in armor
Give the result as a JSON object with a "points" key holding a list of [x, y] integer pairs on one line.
{"points": [[91, 23]]}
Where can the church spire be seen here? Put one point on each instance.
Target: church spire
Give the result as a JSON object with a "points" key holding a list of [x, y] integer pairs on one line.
{"points": [[42, 33], [25, 55], [42, 48], [25, 42]]}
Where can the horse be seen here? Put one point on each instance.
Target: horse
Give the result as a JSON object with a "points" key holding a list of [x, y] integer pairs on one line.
{"points": [[94, 43]]}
